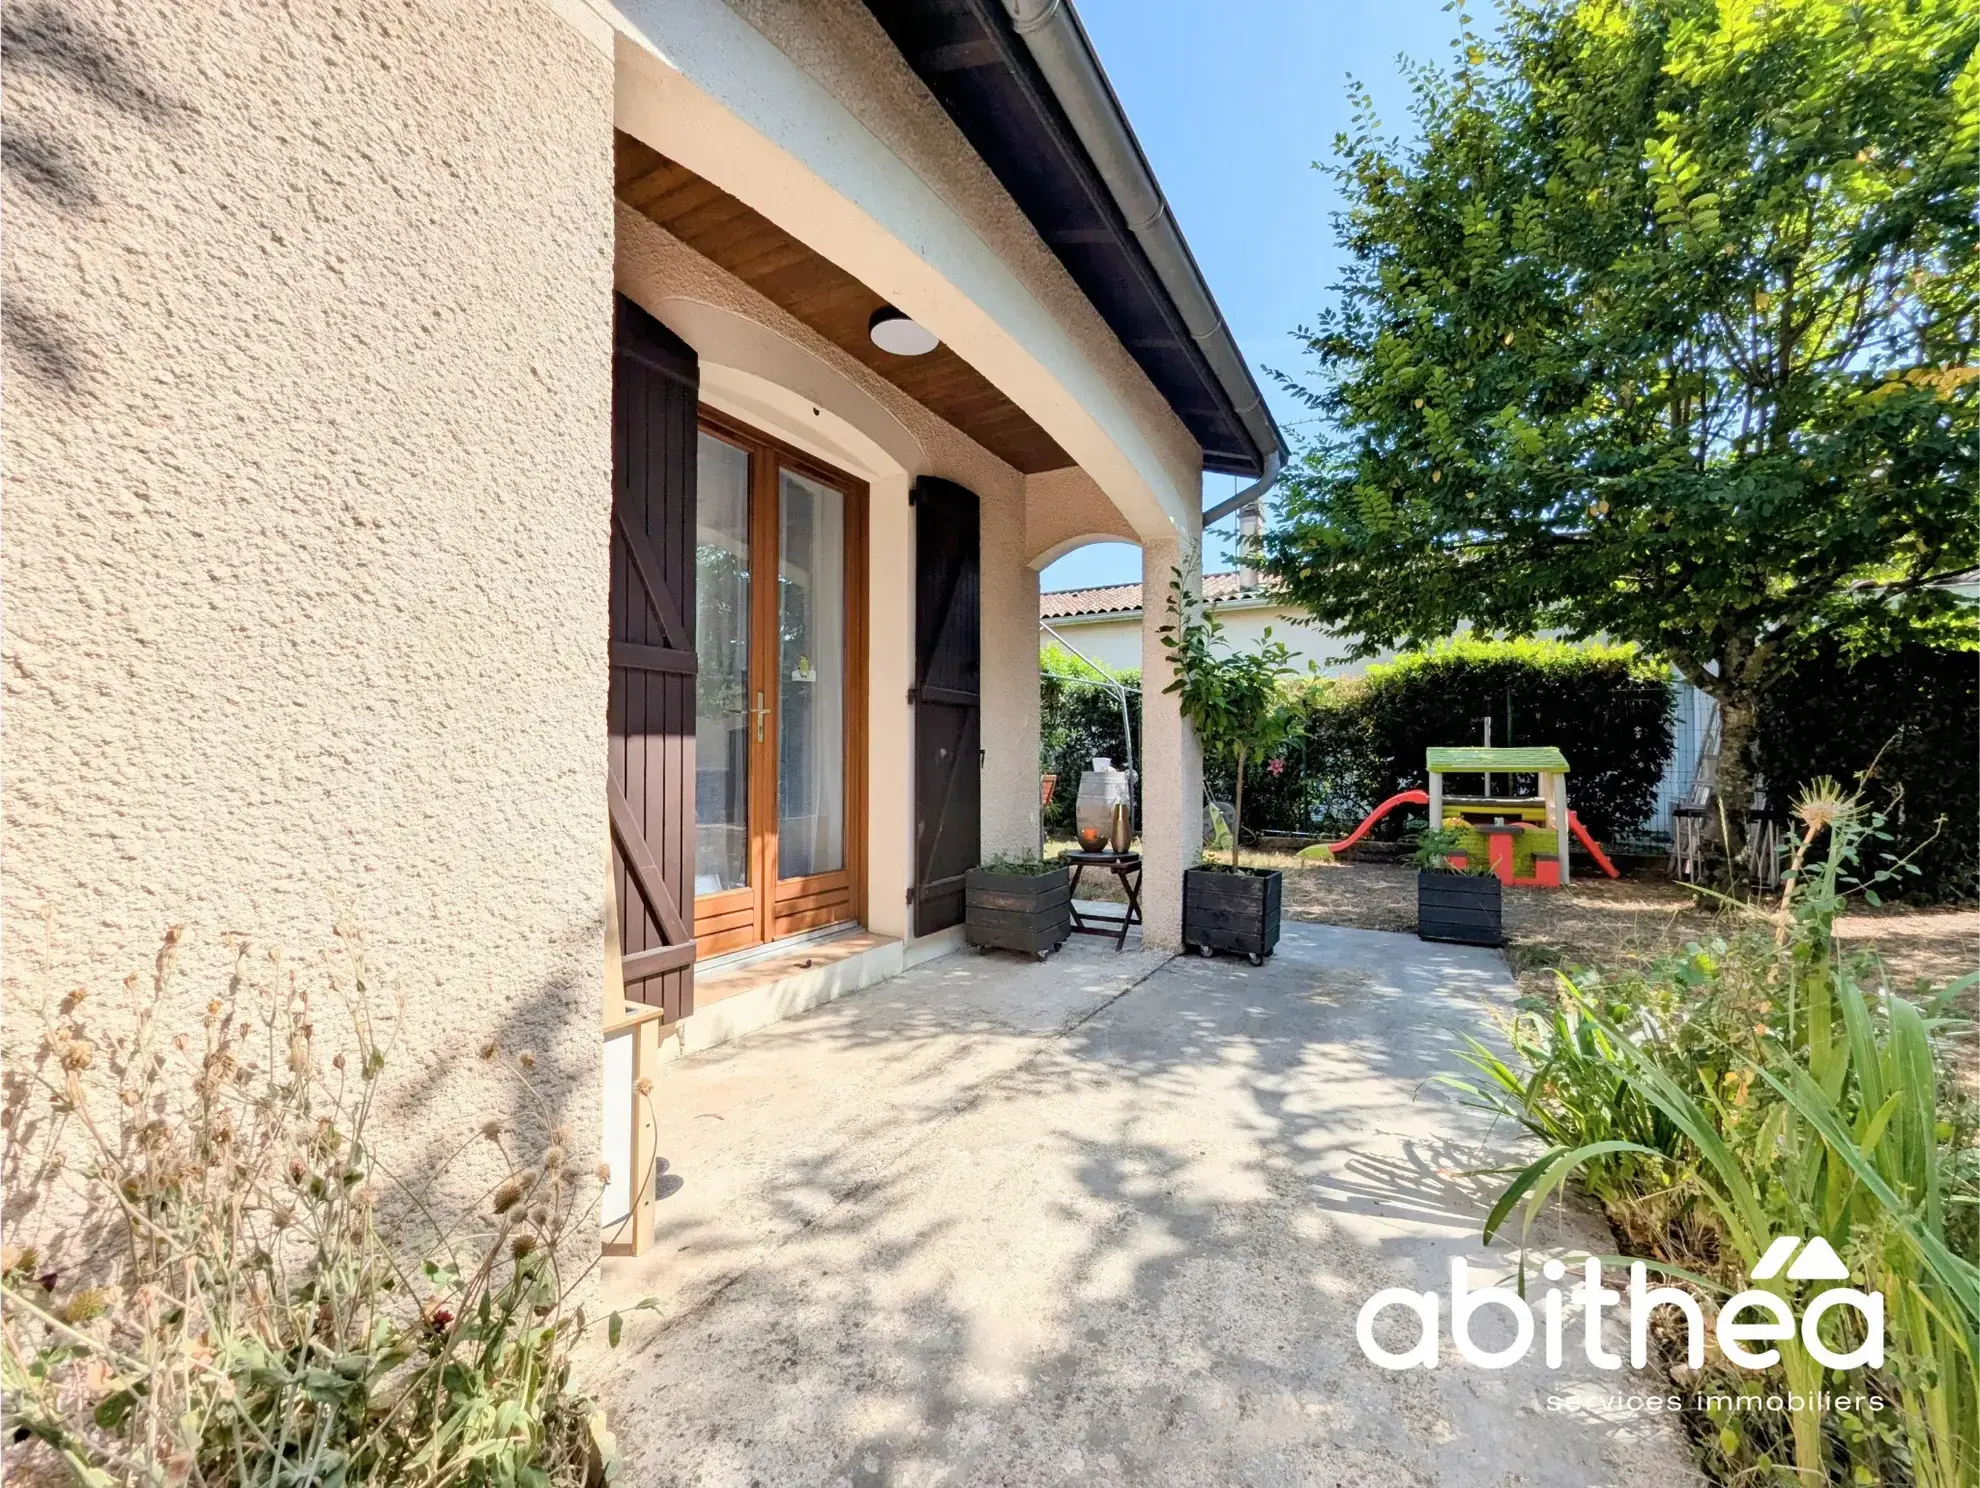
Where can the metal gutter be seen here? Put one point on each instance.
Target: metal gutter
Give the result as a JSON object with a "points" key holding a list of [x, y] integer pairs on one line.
{"points": [[1052, 33], [1275, 464]]}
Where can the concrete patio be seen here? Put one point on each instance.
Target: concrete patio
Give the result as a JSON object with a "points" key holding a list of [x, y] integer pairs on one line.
{"points": [[1108, 1219]]}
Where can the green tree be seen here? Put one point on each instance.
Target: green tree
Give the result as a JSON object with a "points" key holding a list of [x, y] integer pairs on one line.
{"points": [[1236, 700], [1664, 332]]}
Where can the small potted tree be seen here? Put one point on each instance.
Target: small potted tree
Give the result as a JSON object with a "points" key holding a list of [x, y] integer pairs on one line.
{"points": [[1238, 704], [1017, 904], [1457, 900]]}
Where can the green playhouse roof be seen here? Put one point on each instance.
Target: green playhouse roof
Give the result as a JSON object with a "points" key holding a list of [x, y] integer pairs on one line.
{"points": [[1476, 759]]}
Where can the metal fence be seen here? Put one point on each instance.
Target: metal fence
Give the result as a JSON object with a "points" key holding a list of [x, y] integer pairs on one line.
{"points": [[1691, 728]]}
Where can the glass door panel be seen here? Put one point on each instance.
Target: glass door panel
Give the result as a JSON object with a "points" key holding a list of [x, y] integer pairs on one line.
{"points": [[811, 677], [722, 713]]}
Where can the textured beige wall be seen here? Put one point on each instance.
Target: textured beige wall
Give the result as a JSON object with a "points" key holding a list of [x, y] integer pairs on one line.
{"points": [[1064, 510], [307, 451], [1171, 762], [680, 286]]}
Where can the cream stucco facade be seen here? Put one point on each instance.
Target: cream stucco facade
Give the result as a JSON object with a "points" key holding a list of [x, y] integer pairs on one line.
{"points": [[308, 390], [308, 450], [1113, 638]]}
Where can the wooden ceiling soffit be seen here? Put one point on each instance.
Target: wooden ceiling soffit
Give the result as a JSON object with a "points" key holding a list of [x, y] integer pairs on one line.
{"points": [[826, 298]]}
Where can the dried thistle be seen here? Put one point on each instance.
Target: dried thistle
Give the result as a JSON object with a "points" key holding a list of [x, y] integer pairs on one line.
{"points": [[1822, 805], [88, 1304], [253, 1167]]}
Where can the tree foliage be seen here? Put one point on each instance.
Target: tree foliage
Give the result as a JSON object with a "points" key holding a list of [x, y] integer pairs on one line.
{"points": [[1236, 700], [1909, 715], [1664, 332]]}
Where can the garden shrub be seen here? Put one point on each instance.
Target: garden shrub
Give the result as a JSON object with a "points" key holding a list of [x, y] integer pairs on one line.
{"points": [[1078, 720], [212, 1275], [1605, 707], [1915, 711], [1769, 1083], [1362, 739]]}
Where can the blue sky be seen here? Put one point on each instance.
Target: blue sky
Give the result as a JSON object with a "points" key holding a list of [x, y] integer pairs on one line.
{"points": [[1233, 101]]}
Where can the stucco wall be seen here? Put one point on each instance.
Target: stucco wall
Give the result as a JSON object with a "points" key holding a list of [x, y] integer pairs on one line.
{"points": [[1064, 510], [308, 458], [1116, 640], [678, 285]]}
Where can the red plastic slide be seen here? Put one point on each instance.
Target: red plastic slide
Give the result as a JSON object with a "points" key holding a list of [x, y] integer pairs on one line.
{"points": [[1594, 848], [1400, 798], [1422, 798]]}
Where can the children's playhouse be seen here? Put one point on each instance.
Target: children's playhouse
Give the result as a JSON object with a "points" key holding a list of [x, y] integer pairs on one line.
{"points": [[1524, 838]]}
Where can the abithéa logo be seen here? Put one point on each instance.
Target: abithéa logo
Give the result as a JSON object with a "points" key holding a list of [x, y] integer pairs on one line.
{"points": [[1755, 1316]]}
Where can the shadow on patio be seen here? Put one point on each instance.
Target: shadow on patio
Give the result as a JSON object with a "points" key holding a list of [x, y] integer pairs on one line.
{"points": [[1108, 1219]]}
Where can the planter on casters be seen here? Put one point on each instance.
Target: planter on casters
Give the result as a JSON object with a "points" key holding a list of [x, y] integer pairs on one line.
{"points": [[1459, 907], [1028, 912], [1232, 909]]}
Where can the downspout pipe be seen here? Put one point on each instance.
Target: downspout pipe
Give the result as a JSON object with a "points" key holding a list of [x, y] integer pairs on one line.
{"points": [[1052, 33], [1275, 464]]}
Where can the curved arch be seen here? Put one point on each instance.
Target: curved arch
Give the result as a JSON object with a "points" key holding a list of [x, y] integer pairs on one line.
{"points": [[1059, 550], [751, 371]]}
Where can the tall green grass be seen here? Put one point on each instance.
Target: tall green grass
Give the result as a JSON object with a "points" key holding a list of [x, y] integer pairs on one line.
{"points": [[1762, 1085]]}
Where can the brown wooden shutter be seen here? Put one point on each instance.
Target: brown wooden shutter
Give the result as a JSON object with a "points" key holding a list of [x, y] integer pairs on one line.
{"points": [[947, 699], [650, 789]]}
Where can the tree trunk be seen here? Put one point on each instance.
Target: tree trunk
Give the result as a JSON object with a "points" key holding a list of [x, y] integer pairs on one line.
{"points": [[1739, 727], [1237, 809]]}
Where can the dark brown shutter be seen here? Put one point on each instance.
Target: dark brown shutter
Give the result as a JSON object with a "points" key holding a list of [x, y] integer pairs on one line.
{"points": [[947, 699], [650, 789]]}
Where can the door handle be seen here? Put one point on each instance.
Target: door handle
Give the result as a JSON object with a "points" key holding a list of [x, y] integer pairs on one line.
{"points": [[759, 710]]}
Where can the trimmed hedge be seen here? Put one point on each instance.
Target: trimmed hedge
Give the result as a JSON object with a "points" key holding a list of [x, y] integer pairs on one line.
{"points": [[1920, 706], [1605, 707], [1078, 720]]}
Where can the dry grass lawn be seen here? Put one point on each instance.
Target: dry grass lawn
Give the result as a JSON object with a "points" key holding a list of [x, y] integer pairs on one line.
{"points": [[1601, 922]]}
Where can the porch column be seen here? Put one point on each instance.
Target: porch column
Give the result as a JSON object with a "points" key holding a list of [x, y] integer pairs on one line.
{"points": [[1009, 619], [1171, 762]]}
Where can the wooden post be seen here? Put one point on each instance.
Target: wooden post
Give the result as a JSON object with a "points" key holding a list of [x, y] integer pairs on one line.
{"points": [[641, 1023], [1561, 823], [1436, 800]]}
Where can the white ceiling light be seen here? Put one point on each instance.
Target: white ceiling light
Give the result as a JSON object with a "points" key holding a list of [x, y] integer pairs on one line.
{"points": [[893, 331]]}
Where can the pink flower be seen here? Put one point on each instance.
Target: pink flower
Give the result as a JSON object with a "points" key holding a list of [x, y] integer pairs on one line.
{"points": [[1276, 767]]}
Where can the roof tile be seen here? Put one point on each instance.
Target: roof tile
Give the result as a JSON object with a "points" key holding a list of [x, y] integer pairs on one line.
{"points": [[1109, 599]]}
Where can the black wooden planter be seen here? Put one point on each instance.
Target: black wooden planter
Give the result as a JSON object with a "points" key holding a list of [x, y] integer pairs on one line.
{"points": [[1235, 910], [1029, 912], [1459, 907]]}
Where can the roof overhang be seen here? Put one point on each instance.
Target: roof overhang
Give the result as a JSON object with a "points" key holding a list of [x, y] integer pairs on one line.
{"points": [[988, 77]]}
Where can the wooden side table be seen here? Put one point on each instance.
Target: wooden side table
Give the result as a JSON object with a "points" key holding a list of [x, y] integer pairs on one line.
{"points": [[1124, 866]]}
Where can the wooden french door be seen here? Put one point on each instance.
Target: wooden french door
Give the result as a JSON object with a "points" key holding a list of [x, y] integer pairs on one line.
{"points": [[780, 545]]}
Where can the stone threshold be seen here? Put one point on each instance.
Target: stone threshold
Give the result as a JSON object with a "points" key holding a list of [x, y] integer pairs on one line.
{"points": [[737, 1000]]}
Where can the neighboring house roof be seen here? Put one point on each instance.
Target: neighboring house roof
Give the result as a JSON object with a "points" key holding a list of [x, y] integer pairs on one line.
{"points": [[1125, 599], [1062, 147]]}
